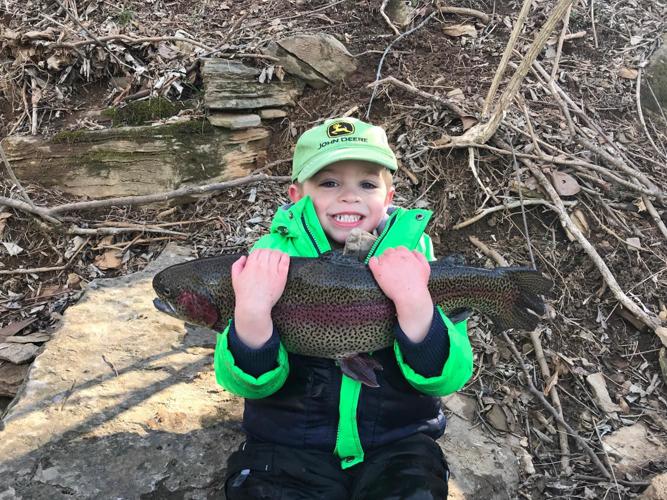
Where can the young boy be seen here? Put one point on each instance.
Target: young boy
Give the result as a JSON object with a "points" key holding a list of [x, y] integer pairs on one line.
{"points": [[312, 432]]}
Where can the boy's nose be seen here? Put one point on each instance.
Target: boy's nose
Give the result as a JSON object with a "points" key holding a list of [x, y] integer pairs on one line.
{"points": [[350, 196]]}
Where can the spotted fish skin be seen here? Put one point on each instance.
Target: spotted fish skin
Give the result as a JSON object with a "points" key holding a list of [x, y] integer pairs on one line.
{"points": [[332, 306]]}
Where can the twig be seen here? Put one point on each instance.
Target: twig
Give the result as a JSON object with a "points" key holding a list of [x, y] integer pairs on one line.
{"points": [[12, 176], [120, 230], [518, 26], [448, 103], [538, 394], [595, 33], [561, 39], [640, 113], [646, 318], [655, 215], [97, 40], [34, 101], [386, 51], [471, 163], [386, 18], [506, 206], [36, 270], [482, 132], [488, 251], [606, 456], [555, 400], [48, 213], [466, 12]]}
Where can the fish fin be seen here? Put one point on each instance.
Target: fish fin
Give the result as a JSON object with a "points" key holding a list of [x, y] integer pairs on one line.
{"points": [[527, 307], [361, 368]]}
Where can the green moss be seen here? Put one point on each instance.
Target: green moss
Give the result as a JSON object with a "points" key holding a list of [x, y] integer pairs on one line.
{"points": [[142, 112], [70, 137], [124, 17]]}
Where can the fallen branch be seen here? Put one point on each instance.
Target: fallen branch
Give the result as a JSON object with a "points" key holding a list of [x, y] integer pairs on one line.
{"points": [[495, 83], [50, 213], [540, 396], [506, 206], [482, 132], [16, 182], [448, 103], [384, 54], [386, 18], [462, 11], [649, 320]]}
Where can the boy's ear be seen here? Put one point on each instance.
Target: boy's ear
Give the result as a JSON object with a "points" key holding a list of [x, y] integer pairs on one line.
{"points": [[390, 196], [294, 192]]}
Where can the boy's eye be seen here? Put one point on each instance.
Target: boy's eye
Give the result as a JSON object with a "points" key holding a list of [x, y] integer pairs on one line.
{"points": [[328, 183], [368, 185]]}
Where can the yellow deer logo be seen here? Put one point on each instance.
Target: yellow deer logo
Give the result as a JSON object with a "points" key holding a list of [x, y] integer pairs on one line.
{"points": [[340, 128]]}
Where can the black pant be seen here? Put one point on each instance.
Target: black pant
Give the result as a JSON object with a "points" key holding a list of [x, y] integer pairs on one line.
{"points": [[413, 468]]}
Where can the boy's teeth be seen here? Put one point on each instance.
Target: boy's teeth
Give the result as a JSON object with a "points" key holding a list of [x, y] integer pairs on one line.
{"points": [[347, 218]]}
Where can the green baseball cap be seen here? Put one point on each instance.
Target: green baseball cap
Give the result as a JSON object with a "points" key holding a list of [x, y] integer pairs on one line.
{"points": [[340, 139]]}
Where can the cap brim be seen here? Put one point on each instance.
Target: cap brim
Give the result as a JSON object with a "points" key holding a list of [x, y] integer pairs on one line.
{"points": [[358, 153]]}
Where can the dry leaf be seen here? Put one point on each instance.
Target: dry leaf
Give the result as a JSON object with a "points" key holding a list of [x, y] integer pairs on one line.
{"points": [[553, 380], [579, 220], [111, 259], [15, 327], [628, 73], [468, 121], [460, 30], [565, 184], [634, 242], [12, 248], [599, 386]]}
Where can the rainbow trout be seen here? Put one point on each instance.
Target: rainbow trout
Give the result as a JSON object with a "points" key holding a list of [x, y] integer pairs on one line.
{"points": [[332, 306]]}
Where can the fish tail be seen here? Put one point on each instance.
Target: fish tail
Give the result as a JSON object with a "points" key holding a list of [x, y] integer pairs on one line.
{"points": [[525, 305]]}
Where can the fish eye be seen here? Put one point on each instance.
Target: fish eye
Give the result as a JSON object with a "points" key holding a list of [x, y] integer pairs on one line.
{"points": [[167, 291]]}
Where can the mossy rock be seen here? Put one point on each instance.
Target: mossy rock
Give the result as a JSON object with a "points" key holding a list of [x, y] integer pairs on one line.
{"points": [[142, 112]]}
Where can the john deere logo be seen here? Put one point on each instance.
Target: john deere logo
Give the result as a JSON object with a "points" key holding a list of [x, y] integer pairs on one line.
{"points": [[340, 128]]}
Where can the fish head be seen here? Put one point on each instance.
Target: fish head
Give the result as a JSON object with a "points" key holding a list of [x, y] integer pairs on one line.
{"points": [[183, 299]]}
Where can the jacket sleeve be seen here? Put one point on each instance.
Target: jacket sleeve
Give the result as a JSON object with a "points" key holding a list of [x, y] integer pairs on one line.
{"points": [[457, 368], [446, 340], [230, 376]]}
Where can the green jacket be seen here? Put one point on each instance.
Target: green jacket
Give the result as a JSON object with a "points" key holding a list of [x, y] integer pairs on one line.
{"points": [[296, 231]]}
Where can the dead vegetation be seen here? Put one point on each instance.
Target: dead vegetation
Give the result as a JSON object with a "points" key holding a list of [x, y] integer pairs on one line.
{"points": [[522, 130]]}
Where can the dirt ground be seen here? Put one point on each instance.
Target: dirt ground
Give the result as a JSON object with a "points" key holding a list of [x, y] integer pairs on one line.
{"points": [[586, 332]]}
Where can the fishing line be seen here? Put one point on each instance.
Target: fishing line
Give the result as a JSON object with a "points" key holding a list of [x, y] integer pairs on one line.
{"points": [[523, 208]]}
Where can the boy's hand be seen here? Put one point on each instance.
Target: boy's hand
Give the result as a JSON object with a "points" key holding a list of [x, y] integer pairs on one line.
{"points": [[258, 280], [403, 277]]}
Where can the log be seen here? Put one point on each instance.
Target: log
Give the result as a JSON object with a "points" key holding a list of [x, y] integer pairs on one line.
{"points": [[231, 85], [127, 161]]}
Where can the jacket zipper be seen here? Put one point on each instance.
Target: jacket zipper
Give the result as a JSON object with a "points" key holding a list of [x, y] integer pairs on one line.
{"points": [[379, 240], [310, 235]]}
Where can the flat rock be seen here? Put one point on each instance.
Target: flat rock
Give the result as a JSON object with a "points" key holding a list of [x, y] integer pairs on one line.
{"points": [[231, 85], [319, 60], [657, 490], [122, 403], [481, 467], [17, 353], [632, 448], [272, 114], [234, 121], [11, 378]]}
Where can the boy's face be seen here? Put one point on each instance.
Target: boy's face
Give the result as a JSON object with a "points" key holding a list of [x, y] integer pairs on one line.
{"points": [[347, 194]]}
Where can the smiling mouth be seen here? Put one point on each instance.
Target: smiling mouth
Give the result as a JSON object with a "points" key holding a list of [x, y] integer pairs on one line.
{"points": [[347, 219]]}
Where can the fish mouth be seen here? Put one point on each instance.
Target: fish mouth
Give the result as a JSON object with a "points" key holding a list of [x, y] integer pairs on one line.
{"points": [[165, 307]]}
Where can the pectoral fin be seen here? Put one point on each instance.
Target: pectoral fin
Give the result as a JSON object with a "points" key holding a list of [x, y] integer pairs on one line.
{"points": [[361, 368]]}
